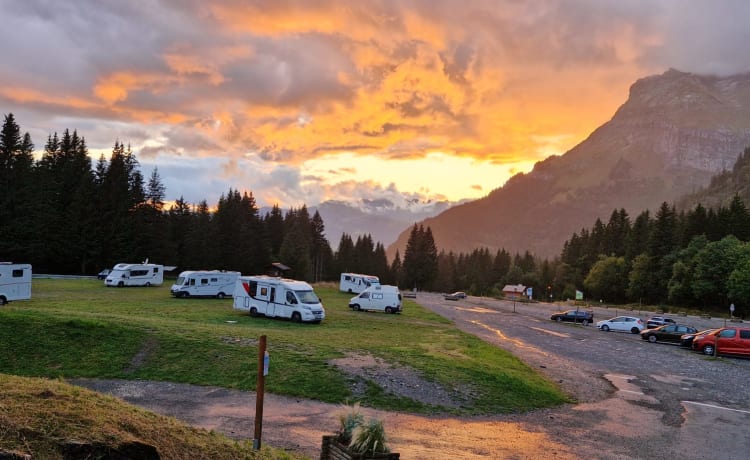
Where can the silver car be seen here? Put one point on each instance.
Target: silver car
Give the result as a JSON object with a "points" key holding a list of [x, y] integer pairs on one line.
{"points": [[622, 323]]}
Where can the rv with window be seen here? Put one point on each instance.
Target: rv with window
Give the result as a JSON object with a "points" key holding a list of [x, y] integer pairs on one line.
{"points": [[354, 283], [378, 297], [214, 283], [278, 297], [15, 282], [144, 274]]}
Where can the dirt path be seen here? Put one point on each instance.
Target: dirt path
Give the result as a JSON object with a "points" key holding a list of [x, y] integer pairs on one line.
{"points": [[299, 424]]}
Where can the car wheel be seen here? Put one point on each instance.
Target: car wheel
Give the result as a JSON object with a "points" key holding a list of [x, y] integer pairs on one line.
{"points": [[355, 307], [652, 338], [253, 312], [708, 350], [605, 328], [3, 300], [585, 322], [220, 295], [120, 284], [635, 330], [148, 284], [558, 319], [388, 310], [296, 317]]}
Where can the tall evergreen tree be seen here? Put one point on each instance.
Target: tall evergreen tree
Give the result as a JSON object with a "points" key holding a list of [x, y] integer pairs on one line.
{"points": [[17, 191]]}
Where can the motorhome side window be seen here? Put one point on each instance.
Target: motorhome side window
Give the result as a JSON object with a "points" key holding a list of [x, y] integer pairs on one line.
{"points": [[347, 278], [214, 280], [192, 281], [138, 272], [290, 299], [17, 273], [156, 269], [204, 281], [252, 288], [263, 291]]}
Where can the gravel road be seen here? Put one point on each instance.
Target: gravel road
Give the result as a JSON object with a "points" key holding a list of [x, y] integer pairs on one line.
{"points": [[636, 400]]}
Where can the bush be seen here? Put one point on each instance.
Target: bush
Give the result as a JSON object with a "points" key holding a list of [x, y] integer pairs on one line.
{"points": [[364, 437], [369, 438]]}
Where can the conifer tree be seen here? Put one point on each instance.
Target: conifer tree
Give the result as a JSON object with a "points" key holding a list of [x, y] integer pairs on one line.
{"points": [[17, 191]]}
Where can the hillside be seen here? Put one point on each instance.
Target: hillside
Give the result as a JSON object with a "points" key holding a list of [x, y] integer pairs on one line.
{"points": [[723, 187], [49, 419], [675, 132]]}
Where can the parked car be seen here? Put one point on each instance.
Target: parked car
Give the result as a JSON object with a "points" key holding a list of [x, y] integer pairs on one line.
{"points": [[726, 340], [455, 296], [622, 323], [576, 316], [657, 321], [667, 333], [687, 339], [103, 274]]}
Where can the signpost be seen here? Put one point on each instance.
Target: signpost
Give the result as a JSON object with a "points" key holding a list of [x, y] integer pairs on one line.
{"points": [[260, 384]]}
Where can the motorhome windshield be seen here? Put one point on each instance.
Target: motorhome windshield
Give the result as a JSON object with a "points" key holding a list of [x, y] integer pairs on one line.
{"points": [[119, 274], [307, 297], [180, 280]]}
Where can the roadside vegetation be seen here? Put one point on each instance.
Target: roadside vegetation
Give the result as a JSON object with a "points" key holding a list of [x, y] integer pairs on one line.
{"points": [[79, 328]]}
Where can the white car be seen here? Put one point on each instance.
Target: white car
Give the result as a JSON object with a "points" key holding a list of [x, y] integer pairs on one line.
{"points": [[622, 323]]}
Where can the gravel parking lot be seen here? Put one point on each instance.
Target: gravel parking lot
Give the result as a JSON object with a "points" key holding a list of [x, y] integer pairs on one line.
{"points": [[702, 403]]}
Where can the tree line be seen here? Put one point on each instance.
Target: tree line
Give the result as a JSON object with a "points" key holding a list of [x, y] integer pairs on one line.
{"points": [[697, 258], [65, 215]]}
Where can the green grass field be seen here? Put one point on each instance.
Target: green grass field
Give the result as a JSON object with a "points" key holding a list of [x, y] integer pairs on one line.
{"points": [[80, 328]]}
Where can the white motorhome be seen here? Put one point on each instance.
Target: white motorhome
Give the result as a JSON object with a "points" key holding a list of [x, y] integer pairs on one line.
{"points": [[378, 297], [214, 283], [144, 274], [278, 297], [15, 282], [354, 283]]}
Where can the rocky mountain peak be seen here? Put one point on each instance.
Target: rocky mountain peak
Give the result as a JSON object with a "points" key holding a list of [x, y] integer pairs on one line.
{"points": [[675, 131]]}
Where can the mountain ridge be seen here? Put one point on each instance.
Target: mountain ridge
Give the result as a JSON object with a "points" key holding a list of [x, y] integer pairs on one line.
{"points": [[673, 133]]}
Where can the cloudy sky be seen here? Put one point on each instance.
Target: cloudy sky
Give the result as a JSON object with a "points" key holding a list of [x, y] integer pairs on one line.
{"points": [[310, 100]]}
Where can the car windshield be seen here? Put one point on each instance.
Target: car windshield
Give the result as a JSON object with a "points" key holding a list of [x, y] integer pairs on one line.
{"points": [[180, 281], [307, 297]]}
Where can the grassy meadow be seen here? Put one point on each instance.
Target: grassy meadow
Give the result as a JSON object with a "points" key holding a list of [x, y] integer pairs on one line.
{"points": [[80, 328]]}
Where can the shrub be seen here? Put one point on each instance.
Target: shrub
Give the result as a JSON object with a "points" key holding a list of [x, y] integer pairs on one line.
{"points": [[369, 438]]}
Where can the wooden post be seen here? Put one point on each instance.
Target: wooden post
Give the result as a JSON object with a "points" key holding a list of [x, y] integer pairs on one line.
{"points": [[260, 384]]}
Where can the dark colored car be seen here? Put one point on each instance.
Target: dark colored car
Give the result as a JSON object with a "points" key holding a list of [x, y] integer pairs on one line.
{"points": [[727, 340], [667, 333], [687, 339], [103, 274], [657, 321], [455, 296], [575, 316]]}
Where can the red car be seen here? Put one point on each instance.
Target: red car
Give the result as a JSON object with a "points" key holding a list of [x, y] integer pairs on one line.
{"points": [[727, 340]]}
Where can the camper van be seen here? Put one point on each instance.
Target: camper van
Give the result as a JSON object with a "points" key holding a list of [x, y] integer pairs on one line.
{"points": [[378, 297], [212, 283], [278, 297], [15, 282], [354, 283], [144, 274]]}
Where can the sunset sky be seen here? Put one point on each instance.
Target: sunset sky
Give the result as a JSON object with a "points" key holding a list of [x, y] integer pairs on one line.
{"points": [[306, 101]]}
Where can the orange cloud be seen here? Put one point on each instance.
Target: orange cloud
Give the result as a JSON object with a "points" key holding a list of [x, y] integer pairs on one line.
{"points": [[116, 87]]}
